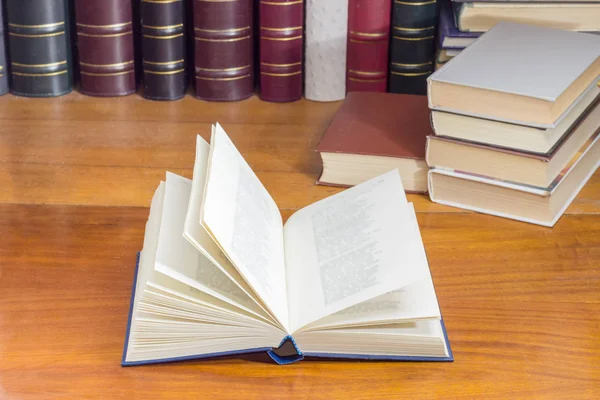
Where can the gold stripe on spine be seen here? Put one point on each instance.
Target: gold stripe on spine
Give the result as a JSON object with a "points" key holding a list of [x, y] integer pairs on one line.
{"points": [[408, 3], [289, 3], [366, 80], [166, 27], [224, 70], [104, 26], [37, 36], [163, 37], [55, 64], [411, 65], [216, 1], [365, 41], [413, 39], [164, 72], [222, 30], [281, 65], [412, 73], [365, 34], [48, 74], [107, 74], [366, 73], [399, 28], [290, 74], [38, 26], [107, 65], [223, 79], [289, 28], [282, 39], [163, 63], [161, 1], [223, 40], [105, 35]]}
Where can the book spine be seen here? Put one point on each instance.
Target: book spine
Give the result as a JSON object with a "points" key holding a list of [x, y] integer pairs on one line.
{"points": [[224, 51], [39, 47], [3, 64], [412, 46], [325, 50], [164, 49], [368, 45], [106, 50], [281, 47]]}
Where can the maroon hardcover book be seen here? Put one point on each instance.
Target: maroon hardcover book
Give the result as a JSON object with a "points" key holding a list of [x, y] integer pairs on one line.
{"points": [[281, 46], [223, 49], [105, 45], [368, 45]]}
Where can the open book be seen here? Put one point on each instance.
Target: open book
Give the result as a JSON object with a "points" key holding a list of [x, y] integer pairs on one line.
{"points": [[220, 273]]}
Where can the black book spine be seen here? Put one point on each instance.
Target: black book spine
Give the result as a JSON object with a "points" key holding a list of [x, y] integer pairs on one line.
{"points": [[164, 49], [412, 45], [3, 64], [39, 47]]}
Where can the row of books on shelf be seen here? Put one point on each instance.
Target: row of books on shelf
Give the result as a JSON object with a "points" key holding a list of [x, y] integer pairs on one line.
{"points": [[224, 49], [461, 22], [498, 133]]}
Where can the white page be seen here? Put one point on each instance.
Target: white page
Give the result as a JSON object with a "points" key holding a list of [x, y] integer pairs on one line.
{"points": [[196, 234], [243, 218], [350, 248], [178, 259]]}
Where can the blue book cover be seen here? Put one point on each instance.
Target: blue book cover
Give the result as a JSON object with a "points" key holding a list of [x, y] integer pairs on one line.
{"points": [[449, 37]]}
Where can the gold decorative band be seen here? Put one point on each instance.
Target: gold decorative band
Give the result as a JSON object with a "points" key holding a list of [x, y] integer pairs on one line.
{"points": [[105, 35], [37, 36], [408, 3], [365, 41], [413, 39], [366, 80], [120, 25], [48, 74], [399, 28], [55, 64], [411, 73], [107, 74], [165, 27], [290, 74], [223, 79], [281, 65], [222, 30], [289, 3], [224, 69], [216, 1], [107, 65], [367, 34], [161, 1], [282, 39], [287, 28], [163, 37], [163, 63], [164, 72], [411, 65], [38, 26], [223, 40], [366, 73]]}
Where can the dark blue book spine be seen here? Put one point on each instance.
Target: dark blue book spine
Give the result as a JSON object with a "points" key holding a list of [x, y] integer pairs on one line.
{"points": [[3, 63]]}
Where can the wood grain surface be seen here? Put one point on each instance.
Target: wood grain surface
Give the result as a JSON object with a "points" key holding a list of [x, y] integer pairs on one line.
{"points": [[520, 302]]}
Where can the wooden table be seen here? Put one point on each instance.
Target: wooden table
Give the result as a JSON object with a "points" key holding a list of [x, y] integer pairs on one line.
{"points": [[520, 301]]}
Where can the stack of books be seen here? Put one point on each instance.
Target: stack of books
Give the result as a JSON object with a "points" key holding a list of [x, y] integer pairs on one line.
{"points": [[463, 21], [516, 118]]}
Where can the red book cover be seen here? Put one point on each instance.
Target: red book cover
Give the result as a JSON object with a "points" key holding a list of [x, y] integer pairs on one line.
{"points": [[105, 44], [223, 49], [281, 50], [368, 45]]}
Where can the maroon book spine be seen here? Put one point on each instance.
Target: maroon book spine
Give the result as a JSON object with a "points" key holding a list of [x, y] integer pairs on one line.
{"points": [[223, 49], [281, 47], [105, 45], [368, 45]]}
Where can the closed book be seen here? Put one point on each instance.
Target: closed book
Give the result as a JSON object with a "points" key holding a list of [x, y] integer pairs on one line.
{"points": [[536, 205], [412, 46], [39, 47], [281, 50], [220, 273], [516, 73], [326, 50], [164, 49], [3, 64], [373, 133], [449, 37], [105, 40], [368, 45], [224, 50]]}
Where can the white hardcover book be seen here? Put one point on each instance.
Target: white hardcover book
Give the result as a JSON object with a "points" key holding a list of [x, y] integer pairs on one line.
{"points": [[325, 49]]}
